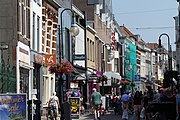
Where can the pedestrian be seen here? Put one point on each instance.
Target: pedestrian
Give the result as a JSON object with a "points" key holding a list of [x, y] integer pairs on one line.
{"points": [[137, 99], [96, 101], [125, 101], [54, 103]]}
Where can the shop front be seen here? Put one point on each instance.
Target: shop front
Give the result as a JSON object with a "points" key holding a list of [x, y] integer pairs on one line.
{"points": [[112, 85], [23, 68]]}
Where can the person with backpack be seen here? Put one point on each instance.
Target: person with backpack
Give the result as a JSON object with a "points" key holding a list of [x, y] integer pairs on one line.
{"points": [[54, 103]]}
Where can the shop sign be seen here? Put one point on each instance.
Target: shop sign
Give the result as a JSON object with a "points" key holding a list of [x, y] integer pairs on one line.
{"points": [[50, 59], [79, 57], [75, 106], [113, 40], [73, 85], [137, 78], [13, 106], [23, 53]]}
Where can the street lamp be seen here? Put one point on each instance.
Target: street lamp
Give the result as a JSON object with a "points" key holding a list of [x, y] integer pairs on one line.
{"points": [[161, 51], [74, 31]]}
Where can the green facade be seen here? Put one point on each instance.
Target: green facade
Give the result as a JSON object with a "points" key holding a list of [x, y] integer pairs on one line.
{"points": [[130, 63]]}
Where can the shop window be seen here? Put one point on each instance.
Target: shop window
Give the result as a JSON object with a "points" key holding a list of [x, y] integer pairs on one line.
{"points": [[24, 80]]}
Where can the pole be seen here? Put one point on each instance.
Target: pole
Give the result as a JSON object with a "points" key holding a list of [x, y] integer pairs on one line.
{"points": [[61, 56], [178, 41], [169, 55], [60, 77], [102, 69]]}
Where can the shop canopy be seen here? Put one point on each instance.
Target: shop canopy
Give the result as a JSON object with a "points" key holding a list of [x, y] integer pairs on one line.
{"points": [[112, 75]]}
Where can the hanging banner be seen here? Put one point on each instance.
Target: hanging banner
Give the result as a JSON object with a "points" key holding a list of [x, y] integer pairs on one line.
{"points": [[50, 59], [13, 106], [75, 106]]}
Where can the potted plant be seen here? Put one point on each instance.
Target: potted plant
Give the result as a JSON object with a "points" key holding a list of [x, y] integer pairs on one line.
{"points": [[64, 67]]}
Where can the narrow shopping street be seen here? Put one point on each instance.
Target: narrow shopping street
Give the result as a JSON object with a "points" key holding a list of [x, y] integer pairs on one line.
{"points": [[106, 116]]}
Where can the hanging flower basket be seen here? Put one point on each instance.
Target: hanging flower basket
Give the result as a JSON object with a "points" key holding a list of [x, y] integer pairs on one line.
{"points": [[125, 82], [103, 78], [61, 68]]}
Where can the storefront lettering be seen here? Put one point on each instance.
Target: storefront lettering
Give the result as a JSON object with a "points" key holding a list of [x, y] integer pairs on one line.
{"points": [[13, 101]]}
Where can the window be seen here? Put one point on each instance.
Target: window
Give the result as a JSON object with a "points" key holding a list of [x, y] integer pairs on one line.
{"points": [[93, 51], [23, 19], [33, 28], [87, 48], [38, 33], [20, 17], [24, 80]]}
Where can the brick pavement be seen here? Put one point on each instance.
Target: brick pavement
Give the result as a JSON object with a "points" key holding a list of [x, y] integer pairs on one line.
{"points": [[107, 116]]}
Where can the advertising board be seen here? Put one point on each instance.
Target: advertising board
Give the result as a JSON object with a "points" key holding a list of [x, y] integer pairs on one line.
{"points": [[13, 107], [75, 106]]}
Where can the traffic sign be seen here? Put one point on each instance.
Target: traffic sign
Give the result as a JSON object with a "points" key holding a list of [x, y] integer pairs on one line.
{"points": [[137, 78]]}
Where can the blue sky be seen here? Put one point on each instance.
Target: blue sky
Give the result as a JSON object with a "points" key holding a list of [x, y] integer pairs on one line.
{"points": [[148, 18]]}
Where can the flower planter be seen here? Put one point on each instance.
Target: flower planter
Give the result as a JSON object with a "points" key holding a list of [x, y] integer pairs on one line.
{"points": [[61, 68]]}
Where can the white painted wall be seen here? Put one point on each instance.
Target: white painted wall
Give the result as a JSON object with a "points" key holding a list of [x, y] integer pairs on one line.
{"points": [[80, 46], [37, 9]]}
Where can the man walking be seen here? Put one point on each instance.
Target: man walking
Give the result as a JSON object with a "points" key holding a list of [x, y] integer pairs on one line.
{"points": [[96, 101]]}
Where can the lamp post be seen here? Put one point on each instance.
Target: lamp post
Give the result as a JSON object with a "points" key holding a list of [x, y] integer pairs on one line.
{"points": [[74, 32], [160, 50]]}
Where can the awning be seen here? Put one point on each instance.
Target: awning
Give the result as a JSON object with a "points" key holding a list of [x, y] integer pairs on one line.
{"points": [[112, 75], [113, 78]]}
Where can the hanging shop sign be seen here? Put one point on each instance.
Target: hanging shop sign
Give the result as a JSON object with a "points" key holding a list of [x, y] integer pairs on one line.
{"points": [[75, 106], [50, 59], [113, 40], [13, 106]]}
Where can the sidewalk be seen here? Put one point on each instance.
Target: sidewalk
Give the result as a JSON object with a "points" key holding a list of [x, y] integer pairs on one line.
{"points": [[82, 117]]}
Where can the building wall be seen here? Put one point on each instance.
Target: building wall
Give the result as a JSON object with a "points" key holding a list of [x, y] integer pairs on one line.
{"points": [[49, 38], [91, 37], [36, 26], [84, 6], [49, 27]]}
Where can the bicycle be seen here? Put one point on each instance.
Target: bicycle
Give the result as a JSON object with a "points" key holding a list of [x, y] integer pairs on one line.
{"points": [[51, 113]]}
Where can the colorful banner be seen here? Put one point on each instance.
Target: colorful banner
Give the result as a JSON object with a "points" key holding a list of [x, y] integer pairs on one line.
{"points": [[13, 107], [75, 105]]}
